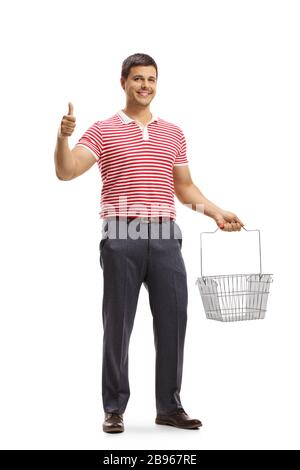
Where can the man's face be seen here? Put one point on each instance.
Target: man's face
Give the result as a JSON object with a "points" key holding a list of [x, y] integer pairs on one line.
{"points": [[140, 86]]}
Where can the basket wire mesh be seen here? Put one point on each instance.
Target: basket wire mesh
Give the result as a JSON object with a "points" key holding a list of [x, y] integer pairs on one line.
{"points": [[234, 297]]}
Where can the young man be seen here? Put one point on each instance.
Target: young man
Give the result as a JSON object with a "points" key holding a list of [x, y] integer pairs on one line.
{"points": [[142, 160]]}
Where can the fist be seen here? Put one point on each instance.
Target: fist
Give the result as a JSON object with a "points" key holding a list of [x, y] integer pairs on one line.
{"points": [[67, 124], [228, 221]]}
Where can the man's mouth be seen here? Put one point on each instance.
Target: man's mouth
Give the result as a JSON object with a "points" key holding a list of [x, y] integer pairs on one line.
{"points": [[143, 93]]}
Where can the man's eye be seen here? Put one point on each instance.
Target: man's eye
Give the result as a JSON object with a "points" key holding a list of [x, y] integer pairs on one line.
{"points": [[139, 78]]}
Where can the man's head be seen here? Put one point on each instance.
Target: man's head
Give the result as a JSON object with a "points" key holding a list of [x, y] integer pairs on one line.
{"points": [[139, 73]]}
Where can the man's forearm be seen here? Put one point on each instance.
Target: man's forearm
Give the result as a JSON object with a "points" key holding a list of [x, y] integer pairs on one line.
{"points": [[192, 196], [64, 160]]}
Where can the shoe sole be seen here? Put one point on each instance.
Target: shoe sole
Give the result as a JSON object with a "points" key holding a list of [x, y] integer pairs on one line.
{"points": [[113, 430], [166, 423]]}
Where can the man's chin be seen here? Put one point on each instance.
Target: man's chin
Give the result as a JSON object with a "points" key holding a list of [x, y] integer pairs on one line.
{"points": [[143, 103], [144, 100]]}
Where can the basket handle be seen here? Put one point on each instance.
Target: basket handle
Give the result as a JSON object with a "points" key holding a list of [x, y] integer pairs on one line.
{"points": [[253, 230]]}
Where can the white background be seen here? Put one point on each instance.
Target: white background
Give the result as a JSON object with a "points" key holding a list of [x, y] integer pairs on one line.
{"points": [[229, 76]]}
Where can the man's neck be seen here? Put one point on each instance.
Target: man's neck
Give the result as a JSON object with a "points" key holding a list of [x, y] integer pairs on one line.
{"points": [[141, 115]]}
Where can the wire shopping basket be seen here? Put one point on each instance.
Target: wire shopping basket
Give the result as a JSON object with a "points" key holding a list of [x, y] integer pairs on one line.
{"points": [[234, 297]]}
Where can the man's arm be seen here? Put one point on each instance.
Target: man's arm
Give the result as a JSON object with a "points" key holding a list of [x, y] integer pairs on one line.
{"points": [[70, 163], [188, 193]]}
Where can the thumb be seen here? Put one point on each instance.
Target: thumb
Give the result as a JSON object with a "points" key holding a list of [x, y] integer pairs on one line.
{"points": [[220, 221], [71, 109]]}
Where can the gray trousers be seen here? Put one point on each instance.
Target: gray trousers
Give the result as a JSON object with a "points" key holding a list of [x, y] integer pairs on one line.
{"points": [[133, 253]]}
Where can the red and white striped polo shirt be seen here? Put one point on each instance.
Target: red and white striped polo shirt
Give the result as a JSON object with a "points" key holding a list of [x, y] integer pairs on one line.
{"points": [[136, 164]]}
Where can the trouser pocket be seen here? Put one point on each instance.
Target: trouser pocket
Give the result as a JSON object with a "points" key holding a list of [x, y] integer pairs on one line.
{"points": [[178, 233], [101, 246], [103, 240]]}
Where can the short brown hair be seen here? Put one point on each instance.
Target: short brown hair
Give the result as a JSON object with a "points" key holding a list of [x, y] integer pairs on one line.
{"points": [[134, 60]]}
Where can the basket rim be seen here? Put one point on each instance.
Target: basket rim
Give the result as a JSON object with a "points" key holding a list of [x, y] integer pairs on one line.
{"points": [[227, 275]]}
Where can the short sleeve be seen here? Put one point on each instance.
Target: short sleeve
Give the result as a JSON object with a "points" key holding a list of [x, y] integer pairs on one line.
{"points": [[92, 140], [181, 158]]}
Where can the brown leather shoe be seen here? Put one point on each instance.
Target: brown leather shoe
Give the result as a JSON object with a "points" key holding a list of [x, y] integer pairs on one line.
{"points": [[113, 422], [179, 419]]}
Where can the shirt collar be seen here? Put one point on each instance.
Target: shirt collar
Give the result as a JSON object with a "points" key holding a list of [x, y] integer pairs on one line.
{"points": [[126, 119]]}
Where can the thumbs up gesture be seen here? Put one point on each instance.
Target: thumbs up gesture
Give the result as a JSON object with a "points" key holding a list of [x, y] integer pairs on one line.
{"points": [[68, 123]]}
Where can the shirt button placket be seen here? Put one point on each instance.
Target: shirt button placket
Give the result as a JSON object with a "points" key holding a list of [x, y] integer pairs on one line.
{"points": [[145, 133]]}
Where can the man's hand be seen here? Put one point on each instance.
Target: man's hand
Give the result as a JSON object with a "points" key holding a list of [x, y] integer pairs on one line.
{"points": [[67, 124], [228, 221]]}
